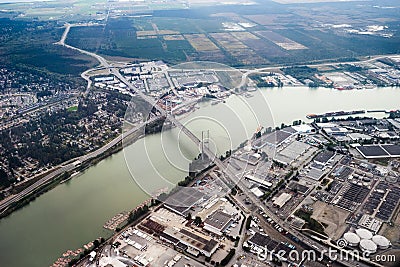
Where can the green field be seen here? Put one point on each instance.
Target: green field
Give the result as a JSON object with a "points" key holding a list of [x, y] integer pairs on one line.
{"points": [[165, 34], [73, 109]]}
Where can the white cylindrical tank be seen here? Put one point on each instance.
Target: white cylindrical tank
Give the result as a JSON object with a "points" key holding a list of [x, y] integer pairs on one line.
{"points": [[352, 239], [381, 241], [364, 233], [368, 246]]}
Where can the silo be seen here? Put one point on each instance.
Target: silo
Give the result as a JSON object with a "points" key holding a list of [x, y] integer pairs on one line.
{"points": [[352, 239], [381, 241], [364, 233], [368, 246]]}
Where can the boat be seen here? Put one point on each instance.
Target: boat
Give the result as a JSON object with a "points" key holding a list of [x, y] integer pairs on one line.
{"points": [[335, 114]]}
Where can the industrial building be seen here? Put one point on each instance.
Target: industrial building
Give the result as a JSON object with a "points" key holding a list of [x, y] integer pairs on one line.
{"points": [[370, 223], [282, 200], [324, 157], [218, 222], [273, 139], [259, 242], [257, 180], [257, 192], [183, 200], [379, 151], [292, 152], [193, 242]]}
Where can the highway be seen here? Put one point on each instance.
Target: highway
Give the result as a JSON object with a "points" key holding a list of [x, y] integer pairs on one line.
{"points": [[70, 166], [231, 177], [232, 180], [228, 173]]}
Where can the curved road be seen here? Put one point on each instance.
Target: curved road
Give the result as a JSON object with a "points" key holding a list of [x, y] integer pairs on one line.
{"points": [[229, 174]]}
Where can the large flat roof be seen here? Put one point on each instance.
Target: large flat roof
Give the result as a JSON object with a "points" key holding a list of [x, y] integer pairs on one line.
{"points": [[379, 151], [282, 199], [393, 150], [218, 219], [260, 239], [184, 199], [291, 152], [299, 187], [193, 239], [324, 156], [258, 180], [275, 138]]}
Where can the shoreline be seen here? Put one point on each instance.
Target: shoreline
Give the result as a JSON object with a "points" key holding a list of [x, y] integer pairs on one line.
{"points": [[65, 176], [59, 179]]}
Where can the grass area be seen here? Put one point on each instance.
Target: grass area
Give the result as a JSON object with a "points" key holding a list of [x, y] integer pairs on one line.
{"points": [[119, 38], [73, 109]]}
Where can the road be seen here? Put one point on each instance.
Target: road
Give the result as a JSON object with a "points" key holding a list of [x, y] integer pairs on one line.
{"points": [[100, 59], [247, 73], [4, 204], [228, 173]]}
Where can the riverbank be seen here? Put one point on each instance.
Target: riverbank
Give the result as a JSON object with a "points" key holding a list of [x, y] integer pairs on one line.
{"points": [[81, 206], [67, 176]]}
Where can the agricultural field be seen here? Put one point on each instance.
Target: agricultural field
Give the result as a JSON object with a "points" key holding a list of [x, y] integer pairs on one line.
{"points": [[228, 41], [201, 42], [254, 38], [270, 19], [281, 41], [267, 33], [175, 37]]}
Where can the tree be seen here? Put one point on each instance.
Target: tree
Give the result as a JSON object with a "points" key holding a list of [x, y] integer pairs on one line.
{"points": [[228, 257], [248, 222], [197, 220]]}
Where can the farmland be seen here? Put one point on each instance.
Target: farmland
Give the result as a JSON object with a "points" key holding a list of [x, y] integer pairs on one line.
{"points": [[238, 35]]}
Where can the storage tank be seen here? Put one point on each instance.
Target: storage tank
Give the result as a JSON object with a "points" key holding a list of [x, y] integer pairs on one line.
{"points": [[352, 239], [364, 233], [381, 241], [367, 245]]}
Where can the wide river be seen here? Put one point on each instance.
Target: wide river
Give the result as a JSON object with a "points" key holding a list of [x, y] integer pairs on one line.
{"points": [[73, 213]]}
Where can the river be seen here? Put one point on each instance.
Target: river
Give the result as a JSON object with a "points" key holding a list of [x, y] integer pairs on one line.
{"points": [[73, 213]]}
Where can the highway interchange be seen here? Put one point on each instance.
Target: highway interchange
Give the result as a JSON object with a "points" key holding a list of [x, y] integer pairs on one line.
{"points": [[230, 177]]}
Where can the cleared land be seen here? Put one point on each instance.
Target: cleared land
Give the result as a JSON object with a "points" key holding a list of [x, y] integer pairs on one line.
{"points": [[228, 41], [267, 19], [244, 36], [332, 216], [249, 35], [201, 43], [159, 32], [176, 37], [281, 41]]}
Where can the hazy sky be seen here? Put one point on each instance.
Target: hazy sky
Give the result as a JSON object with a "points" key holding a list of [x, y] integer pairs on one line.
{"points": [[22, 1]]}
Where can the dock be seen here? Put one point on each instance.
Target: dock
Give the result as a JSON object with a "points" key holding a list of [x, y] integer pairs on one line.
{"points": [[335, 114]]}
